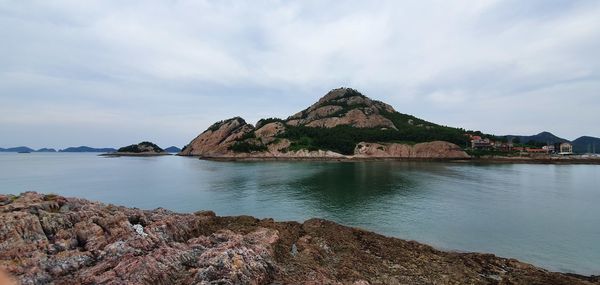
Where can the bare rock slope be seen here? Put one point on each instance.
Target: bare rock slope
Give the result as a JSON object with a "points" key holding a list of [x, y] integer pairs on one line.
{"points": [[49, 239], [333, 127]]}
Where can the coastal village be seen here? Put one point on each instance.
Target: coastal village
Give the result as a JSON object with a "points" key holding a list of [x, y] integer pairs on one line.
{"points": [[486, 144]]}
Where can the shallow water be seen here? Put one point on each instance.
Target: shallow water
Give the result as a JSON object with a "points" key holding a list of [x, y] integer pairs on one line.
{"points": [[548, 215]]}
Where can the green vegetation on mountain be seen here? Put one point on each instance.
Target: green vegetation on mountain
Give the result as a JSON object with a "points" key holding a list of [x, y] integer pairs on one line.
{"points": [[586, 144], [263, 122], [343, 139], [141, 147], [245, 146]]}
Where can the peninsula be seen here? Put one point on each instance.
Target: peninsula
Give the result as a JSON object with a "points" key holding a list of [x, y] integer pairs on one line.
{"points": [[344, 124]]}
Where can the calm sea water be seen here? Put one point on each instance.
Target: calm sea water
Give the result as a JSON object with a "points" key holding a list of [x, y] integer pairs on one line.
{"points": [[548, 215]]}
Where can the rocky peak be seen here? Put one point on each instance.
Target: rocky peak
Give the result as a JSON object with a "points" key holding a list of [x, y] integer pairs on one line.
{"points": [[218, 138], [339, 93], [344, 106], [227, 124]]}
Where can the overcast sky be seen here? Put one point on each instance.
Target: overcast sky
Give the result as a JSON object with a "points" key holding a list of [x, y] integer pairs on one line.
{"points": [[112, 73]]}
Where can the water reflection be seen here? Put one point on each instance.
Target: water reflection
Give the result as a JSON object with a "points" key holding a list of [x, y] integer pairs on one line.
{"points": [[544, 214]]}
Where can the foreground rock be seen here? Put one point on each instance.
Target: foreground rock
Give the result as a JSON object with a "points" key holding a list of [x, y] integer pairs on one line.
{"points": [[52, 239]]}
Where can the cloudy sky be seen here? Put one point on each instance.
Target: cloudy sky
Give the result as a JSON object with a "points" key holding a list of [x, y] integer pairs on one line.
{"points": [[111, 73]]}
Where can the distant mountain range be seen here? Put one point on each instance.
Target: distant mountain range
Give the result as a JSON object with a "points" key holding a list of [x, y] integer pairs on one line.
{"points": [[69, 149], [543, 137], [172, 149], [87, 149], [17, 149], [584, 144]]}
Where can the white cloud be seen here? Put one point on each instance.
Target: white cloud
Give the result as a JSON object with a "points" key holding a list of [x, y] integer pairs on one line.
{"points": [[188, 63]]}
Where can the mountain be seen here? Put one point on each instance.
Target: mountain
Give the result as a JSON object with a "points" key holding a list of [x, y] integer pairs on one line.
{"points": [[342, 123], [172, 149], [586, 144], [542, 138], [46, 150], [86, 149], [17, 149]]}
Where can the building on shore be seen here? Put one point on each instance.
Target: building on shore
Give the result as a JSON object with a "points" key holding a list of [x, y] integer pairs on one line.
{"points": [[477, 142], [481, 143], [535, 150], [565, 148], [549, 148]]}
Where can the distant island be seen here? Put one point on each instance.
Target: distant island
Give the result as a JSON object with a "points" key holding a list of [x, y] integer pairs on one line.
{"points": [[144, 148], [345, 124], [87, 149], [69, 149], [17, 149], [172, 149]]}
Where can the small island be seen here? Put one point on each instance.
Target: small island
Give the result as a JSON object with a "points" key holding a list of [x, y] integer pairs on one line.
{"points": [[144, 148]]}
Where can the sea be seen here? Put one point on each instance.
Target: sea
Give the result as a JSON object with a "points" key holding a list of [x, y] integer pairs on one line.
{"points": [[544, 214]]}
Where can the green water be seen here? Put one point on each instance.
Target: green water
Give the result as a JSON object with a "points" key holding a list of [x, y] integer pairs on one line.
{"points": [[548, 215]]}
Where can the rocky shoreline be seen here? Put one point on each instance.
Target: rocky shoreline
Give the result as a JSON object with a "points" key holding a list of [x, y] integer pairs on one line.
{"points": [[52, 239]]}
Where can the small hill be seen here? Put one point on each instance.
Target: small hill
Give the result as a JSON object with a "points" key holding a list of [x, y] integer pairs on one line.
{"points": [[586, 144], [334, 126], [86, 149], [140, 149], [172, 149]]}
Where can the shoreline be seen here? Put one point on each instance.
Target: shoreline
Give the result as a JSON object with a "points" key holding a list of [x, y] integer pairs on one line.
{"points": [[490, 160], [76, 240], [141, 154]]}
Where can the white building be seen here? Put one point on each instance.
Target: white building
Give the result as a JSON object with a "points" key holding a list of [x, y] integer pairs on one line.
{"points": [[566, 148]]}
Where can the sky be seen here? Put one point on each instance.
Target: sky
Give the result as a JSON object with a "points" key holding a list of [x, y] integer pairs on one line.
{"points": [[112, 73]]}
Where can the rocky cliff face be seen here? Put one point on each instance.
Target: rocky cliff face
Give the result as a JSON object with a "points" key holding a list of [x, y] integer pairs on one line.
{"points": [[47, 239], [436, 150], [342, 107], [217, 140]]}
